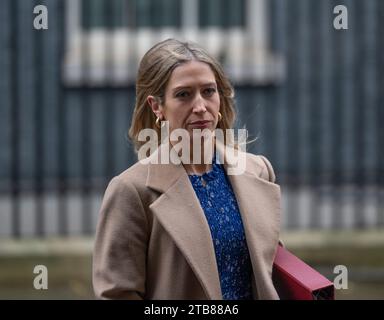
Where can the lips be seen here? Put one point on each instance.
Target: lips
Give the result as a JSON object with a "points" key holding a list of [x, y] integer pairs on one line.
{"points": [[199, 123]]}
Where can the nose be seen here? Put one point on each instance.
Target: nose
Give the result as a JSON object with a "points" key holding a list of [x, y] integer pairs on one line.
{"points": [[199, 104]]}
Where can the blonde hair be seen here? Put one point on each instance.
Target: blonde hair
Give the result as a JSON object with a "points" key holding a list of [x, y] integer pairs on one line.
{"points": [[154, 71]]}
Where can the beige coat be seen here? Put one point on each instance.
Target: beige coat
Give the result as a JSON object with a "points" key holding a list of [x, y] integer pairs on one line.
{"points": [[153, 240]]}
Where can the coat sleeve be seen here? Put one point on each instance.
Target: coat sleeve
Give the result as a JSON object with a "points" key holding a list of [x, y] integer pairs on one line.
{"points": [[119, 257]]}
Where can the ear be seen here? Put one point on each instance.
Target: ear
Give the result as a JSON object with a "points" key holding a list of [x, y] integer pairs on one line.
{"points": [[155, 106]]}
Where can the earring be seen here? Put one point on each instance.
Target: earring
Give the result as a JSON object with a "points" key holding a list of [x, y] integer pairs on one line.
{"points": [[157, 123], [220, 117]]}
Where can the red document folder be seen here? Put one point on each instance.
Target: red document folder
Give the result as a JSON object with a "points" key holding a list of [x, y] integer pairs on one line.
{"points": [[295, 280]]}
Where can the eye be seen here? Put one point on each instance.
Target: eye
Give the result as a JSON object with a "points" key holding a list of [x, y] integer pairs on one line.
{"points": [[182, 94], [209, 91]]}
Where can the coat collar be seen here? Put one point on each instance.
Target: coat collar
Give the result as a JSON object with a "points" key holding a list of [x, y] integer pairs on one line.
{"points": [[178, 210]]}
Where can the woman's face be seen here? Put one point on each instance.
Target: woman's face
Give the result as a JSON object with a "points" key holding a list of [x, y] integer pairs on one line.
{"points": [[191, 99]]}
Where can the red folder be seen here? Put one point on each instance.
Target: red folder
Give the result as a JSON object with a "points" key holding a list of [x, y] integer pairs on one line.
{"points": [[295, 280]]}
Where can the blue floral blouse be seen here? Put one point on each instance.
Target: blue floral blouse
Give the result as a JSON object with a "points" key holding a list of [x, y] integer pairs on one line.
{"points": [[218, 201]]}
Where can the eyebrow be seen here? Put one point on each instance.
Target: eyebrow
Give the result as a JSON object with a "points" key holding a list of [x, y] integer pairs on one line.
{"points": [[188, 87]]}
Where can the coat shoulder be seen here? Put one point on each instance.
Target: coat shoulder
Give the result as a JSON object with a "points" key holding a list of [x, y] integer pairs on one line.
{"points": [[135, 175], [260, 165], [129, 183]]}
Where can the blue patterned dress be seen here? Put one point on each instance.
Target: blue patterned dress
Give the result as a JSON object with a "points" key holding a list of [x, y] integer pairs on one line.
{"points": [[219, 204]]}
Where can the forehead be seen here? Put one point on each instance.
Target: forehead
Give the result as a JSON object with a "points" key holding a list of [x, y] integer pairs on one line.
{"points": [[190, 74]]}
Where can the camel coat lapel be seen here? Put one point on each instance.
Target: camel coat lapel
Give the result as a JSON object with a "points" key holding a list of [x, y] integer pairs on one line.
{"points": [[259, 204]]}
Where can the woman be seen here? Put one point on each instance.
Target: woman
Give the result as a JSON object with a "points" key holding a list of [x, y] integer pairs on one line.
{"points": [[188, 229]]}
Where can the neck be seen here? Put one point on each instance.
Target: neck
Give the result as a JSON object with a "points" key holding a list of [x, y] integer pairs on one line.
{"points": [[198, 169], [201, 165]]}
